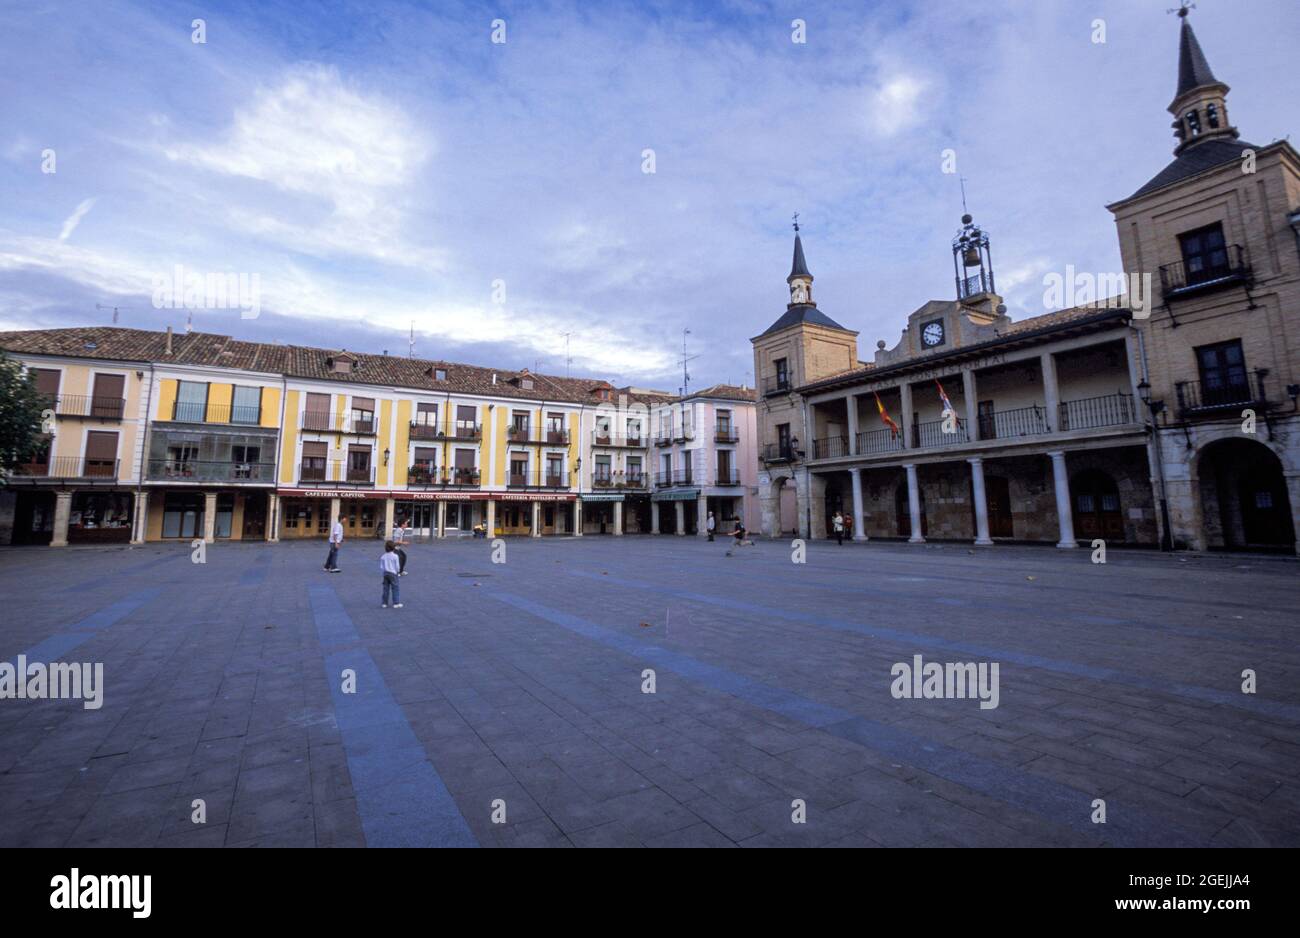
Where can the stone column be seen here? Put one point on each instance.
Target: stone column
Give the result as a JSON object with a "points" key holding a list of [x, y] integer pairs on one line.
{"points": [[981, 502], [1051, 392], [577, 518], [914, 504], [272, 518], [859, 526], [817, 506], [62, 512], [851, 403], [905, 413], [702, 516], [654, 517], [536, 525], [491, 518], [679, 507], [971, 394], [442, 519], [140, 518], [618, 518], [1061, 479], [209, 517], [390, 512]]}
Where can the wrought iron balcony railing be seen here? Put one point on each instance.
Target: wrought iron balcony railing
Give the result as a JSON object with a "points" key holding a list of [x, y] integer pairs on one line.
{"points": [[831, 447], [319, 422], [1005, 424], [338, 473], [777, 453], [776, 384], [871, 442], [460, 430], [1090, 413], [723, 433], [1208, 397], [95, 407], [1177, 280], [940, 433], [727, 477], [606, 438], [207, 470], [68, 467], [538, 480]]}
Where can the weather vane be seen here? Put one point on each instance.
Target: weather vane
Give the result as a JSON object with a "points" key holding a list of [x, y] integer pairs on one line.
{"points": [[796, 221], [1182, 9]]}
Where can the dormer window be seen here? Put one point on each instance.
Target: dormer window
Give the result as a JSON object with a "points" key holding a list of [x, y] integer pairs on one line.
{"points": [[526, 383], [341, 364], [1193, 123], [440, 374], [602, 394], [1212, 116]]}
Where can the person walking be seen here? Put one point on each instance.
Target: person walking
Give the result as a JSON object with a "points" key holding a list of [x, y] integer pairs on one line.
{"points": [[711, 525], [399, 538], [336, 540], [390, 565], [837, 523], [848, 527]]}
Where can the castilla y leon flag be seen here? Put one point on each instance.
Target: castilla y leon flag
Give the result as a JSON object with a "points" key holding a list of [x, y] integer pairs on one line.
{"points": [[888, 420]]}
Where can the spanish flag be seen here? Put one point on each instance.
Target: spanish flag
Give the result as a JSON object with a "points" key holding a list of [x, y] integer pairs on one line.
{"points": [[884, 416], [947, 404]]}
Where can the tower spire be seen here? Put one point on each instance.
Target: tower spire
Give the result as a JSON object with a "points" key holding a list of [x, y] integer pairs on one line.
{"points": [[800, 280], [1199, 106]]}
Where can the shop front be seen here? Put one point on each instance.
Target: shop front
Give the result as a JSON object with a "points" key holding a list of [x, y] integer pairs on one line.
{"points": [[100, 518]]}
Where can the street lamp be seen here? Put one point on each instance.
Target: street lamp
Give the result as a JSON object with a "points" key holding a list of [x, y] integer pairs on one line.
{"points": [[387, 453], [1156, 408]]}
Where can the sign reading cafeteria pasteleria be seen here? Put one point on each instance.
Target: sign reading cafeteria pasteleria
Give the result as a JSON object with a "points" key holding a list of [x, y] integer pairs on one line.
{"points": [[430, 496]]}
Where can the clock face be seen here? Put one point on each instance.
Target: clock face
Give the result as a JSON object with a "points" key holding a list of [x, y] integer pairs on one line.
{"points": [[932, 334]]}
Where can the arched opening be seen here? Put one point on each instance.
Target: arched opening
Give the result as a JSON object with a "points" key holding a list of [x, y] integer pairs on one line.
{"points": [[1096, 506], [1244, 500], [903, 510]]}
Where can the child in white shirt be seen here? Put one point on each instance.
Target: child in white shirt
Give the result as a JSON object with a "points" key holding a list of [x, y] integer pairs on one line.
{"points": [[390, 565]]}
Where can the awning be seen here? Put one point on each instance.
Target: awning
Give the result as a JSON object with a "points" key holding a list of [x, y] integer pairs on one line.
{"points": [[676, 495], [603, 497]]}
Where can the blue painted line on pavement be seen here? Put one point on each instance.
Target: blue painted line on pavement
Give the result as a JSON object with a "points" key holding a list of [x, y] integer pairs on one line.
{"points": [[1245, 702], [1049, 799], [253, 577], [62, 642], [401, 798]]}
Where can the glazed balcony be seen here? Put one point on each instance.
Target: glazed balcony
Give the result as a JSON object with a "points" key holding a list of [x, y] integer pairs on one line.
{"points": [[204, 470], [194, 412]]}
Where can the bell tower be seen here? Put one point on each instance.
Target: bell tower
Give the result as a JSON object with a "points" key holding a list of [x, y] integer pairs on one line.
{"points": [[800, 280], [972, 263], [1199, 107]]}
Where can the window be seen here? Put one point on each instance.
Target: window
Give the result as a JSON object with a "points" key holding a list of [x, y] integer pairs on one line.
{"points": [[358, 463], [1193, 123], [1204, 254], [317, 415], [724, 466], [466, 418], [426, 415], [1212, 115], [554, 470], [183, 515], [633, 470], [246, 459], [246, 405], [440, 374], [783, 439], [555, 428], [341, 366], [465, 471], [519, 425], [526, 383], [108, 393], [191, 401], [518, 468], [101, 454], [313, 464], [603, 474], [363, 415], [634, 431], [1223, 373], [47, 382], [782, 367], [180, 460], [424, 469]]}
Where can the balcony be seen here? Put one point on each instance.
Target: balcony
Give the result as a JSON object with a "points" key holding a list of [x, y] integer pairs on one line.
{"points": [[465, 430], [1090, 413], [1008, 424], [602, 480], [203, 470], [334, 423], [663, 480], [727, 477], [873, 442], [940, 433], [90, 407], [776, 384], [664, 438], [538, 480], [337, 473], [723, 433], [831, 447], [778, 453], [68, 467], [1176, 281], [682, 477], [1202, 398], [194, 412], [605, 438], [551, 436], [427, 475]]}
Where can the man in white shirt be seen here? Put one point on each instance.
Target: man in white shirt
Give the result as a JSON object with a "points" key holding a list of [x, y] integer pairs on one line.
{"points": [[399, 539], [712, 525], [336, 538]]}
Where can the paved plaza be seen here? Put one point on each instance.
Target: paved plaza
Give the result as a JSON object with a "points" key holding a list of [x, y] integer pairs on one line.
{"points": [[506, 703]]}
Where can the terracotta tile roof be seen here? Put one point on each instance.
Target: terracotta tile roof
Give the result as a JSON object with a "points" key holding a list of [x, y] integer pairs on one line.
{"points": [[726, 392], [105, 343]]}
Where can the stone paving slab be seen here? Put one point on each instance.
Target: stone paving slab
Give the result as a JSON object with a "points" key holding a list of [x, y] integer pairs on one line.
{"points": [[519, 688]]}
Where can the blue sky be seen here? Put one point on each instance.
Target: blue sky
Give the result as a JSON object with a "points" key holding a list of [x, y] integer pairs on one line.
{"points": [[380, 163]]}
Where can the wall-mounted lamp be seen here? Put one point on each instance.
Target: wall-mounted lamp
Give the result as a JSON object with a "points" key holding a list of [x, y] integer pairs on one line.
{"points": [[387, 453]]}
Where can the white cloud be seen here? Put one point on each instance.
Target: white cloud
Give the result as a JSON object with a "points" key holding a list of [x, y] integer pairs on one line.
{"points": [[897, 104], [73, 220]]}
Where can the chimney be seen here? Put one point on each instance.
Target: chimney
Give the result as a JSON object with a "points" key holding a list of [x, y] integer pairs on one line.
{"points": [[494, 377], [169, 340]]}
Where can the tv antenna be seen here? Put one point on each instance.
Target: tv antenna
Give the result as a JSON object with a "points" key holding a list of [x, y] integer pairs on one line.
{"points": [[567, 359], [410, 343], [685, 360], [115, 310]]}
